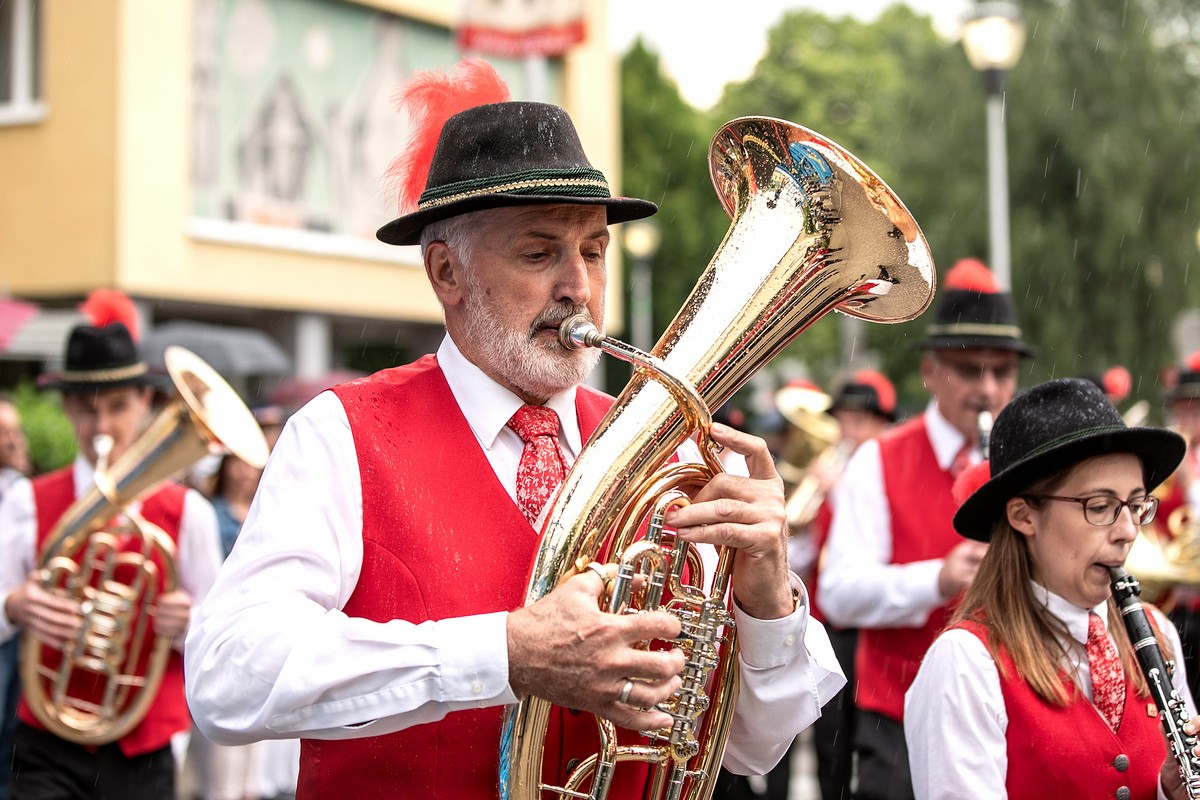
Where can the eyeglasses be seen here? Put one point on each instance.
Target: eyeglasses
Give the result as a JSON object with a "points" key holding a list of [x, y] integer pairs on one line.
{"points": [[971, 372], [1103, 511]]}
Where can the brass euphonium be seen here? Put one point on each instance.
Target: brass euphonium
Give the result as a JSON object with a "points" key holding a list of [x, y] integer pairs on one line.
{"points": [[813, 229], [97, 687]]}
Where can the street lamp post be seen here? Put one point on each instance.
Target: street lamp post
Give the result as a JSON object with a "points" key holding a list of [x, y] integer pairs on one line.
{"points": [[641, 239], [993, 37]]}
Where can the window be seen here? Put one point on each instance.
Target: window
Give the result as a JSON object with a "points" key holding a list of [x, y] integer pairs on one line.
{"points": [[20, 61]]}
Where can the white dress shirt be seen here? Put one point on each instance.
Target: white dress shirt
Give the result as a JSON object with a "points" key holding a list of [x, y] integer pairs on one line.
{"points": [[859, 586], [955, 721], [272, 655], [198, 551]]}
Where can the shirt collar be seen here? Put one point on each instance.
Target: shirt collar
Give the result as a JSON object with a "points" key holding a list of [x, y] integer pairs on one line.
{"points": [[488, 406], [1073, 617], [945, 438]]}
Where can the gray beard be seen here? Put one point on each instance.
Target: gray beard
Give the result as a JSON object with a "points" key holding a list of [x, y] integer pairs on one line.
{"points": [[536, 366]]}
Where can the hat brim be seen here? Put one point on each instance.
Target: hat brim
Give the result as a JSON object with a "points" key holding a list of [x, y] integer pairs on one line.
{"points": [[406, 230], [976, 343], [1159, 449], [56, 382]]}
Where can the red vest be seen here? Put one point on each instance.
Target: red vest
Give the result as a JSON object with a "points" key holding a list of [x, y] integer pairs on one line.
{"points": [[441, 539], [819, 527], [53, 494], [1070, 752], [922, 507]]}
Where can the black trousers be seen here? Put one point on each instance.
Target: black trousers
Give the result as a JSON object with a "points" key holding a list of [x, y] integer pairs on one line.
{"points": [[882, 758], [833, 732], [737, 787], [46, 767]]}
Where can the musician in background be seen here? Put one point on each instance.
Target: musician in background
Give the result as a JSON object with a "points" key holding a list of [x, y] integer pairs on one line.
{"points": [[1035, 690], [373, 604], [1179, 506], [893, 563], [864, 407], [106, 391], [14, 467]]}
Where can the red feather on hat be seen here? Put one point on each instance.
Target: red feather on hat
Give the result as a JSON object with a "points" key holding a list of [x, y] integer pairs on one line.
{"points": [[1118, 383], [1193, 362], [971, 275], [429, 99], [106, 306], [969, 481]]}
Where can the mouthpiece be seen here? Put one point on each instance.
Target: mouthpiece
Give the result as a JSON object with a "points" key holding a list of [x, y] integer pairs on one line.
{"points": [[577, 332], [102, 444]]}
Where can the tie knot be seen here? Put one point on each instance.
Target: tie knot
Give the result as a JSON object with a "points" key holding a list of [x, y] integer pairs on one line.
{"points": [[1096, 628], [531, 421]]}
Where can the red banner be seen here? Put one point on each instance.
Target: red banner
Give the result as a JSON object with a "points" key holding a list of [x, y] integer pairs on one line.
{"points": [[519, 28]]}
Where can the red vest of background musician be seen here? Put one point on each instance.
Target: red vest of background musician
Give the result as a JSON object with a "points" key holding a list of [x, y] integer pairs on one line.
{"points": [[922, 509]]}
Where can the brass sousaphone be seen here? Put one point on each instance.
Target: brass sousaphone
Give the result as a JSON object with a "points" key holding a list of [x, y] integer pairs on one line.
{"points": [[813, 229], [103, 554]]}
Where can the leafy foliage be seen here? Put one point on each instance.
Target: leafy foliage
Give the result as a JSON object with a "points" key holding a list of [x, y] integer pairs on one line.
{"points": [[51, 440], [1101, 149]]}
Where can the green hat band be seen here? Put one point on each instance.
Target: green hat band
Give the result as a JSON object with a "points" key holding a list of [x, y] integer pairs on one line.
{"points": [[1072, 436], [582, 182]]}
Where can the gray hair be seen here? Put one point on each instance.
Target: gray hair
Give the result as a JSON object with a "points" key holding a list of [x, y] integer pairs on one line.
{"points": [[457, 233]]}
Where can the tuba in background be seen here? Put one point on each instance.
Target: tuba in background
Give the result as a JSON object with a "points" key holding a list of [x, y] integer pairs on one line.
{"points": [[813, 446], [99, 686], [813, 230]]}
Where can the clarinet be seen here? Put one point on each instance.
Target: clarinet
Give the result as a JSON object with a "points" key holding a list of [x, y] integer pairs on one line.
{"points": [[1172, 711]]}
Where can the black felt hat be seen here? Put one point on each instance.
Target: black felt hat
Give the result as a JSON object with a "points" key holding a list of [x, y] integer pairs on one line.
{"points": [[103, 357], [973, 313], [1187, 383], [867, 390], [1051, 427], [509, 154]]}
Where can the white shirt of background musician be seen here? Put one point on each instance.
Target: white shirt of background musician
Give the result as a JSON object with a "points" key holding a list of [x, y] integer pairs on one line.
{"points": [[859, 586], [293, 664], [198, 551], [955, 721]]}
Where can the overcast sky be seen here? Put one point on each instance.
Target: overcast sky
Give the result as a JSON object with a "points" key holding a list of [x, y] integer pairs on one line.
{"points": [[705, 44]]}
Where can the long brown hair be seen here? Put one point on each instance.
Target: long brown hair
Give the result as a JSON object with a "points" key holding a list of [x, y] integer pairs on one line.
{"points": [[1001, 598]]}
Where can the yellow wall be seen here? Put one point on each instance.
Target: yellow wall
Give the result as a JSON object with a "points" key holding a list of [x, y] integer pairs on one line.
{"points": [[56, 185], [112, 161]]}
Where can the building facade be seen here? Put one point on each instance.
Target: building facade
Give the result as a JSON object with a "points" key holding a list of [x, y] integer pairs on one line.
{"points": [[221, 161]]}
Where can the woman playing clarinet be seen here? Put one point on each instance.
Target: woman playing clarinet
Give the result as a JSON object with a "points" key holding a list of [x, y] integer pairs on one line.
{"points": [[1035, 689]]}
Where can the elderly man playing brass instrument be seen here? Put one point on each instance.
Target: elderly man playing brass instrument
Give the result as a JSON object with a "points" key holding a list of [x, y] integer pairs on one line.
{"points": [[372, 605], [106, 394]]}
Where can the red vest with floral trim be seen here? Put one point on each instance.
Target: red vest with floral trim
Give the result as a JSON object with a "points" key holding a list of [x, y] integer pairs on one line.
{"points": [[922, 507], [1068, 752], [441, 539], [53, 494]]}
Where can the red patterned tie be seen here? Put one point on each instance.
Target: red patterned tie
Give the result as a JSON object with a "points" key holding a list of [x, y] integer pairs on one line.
{"points": [[542, 465], [1108, 681], [961, 461]]}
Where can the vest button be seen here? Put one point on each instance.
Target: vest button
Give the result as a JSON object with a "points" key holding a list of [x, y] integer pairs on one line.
{"points": [[1121, 762], [1123, 793]]}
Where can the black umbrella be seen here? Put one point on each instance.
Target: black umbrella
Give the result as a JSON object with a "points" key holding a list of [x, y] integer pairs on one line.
{"points": [[230, 350]]}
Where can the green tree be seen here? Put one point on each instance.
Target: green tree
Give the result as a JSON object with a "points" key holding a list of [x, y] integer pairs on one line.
{"points": [[46, 427], [1102, 126]]}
